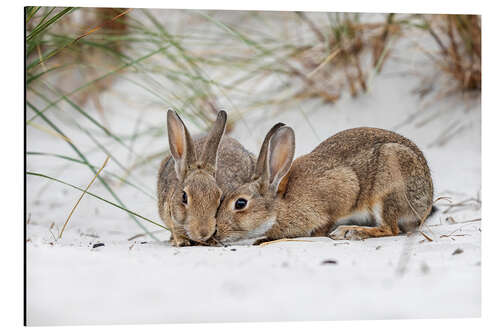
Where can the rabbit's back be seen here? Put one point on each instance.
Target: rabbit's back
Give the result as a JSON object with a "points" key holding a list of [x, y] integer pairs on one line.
{"points": [[363, 149], [347, 145]]}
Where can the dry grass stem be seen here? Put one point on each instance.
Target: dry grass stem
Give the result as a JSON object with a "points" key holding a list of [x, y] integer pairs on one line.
{"points": [[474, 202], [284, 240], [50, 132], [442, 198], [81, 196], [326, 61], [458, 38]]}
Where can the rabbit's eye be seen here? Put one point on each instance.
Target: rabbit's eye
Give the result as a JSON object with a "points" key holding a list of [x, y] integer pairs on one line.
{"points": [[184, 198], [240, 203]]}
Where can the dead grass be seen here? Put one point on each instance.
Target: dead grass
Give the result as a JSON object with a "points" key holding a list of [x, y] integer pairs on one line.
{"points": [[81, 196], [458, 38], [346, 54], [77, 40], [284, 240]]}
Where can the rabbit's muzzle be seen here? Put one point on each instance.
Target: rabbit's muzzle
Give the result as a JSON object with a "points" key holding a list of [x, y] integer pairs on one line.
{"points": [[200, 230]]}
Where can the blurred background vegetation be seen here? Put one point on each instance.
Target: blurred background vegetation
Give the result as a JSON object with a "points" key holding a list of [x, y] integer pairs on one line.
{"points": [[197, 62]]}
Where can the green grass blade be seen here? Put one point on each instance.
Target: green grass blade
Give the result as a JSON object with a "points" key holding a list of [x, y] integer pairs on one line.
{"points": [[44, 25], [233, 32], [30, 12], [111, 174], [97, 197], [32, 77]]}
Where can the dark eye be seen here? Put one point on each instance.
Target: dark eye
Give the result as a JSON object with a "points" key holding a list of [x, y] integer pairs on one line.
{"points": [[240, 204], [184, 198]]}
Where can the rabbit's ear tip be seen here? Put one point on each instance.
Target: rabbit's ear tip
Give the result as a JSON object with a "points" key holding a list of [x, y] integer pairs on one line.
{"points": [[285, 130], [221, 116], [173, 113], [276, 127]]}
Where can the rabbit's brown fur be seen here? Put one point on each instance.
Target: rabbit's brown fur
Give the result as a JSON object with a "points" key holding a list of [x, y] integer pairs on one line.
{"points": [[367, 172], [204, 179]]}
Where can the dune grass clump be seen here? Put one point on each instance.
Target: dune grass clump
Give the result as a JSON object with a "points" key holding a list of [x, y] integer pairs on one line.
{"points": [[345, 54], [458, 38]]}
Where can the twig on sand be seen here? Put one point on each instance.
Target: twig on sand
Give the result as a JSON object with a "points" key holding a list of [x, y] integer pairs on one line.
{"points": [[285, 240], [443, 198], [426, 237], [50, 230], [81, 196], [452, 234], [451, 220], [463, 203]]}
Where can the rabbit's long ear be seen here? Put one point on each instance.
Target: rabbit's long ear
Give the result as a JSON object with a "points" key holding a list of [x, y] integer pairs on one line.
{"points": [[181, 144], [279, 158], [208, 157], [260, 165]]}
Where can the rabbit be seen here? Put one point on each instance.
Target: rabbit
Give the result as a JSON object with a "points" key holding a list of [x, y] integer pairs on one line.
{"points": [[193, 179], [373, 179]]}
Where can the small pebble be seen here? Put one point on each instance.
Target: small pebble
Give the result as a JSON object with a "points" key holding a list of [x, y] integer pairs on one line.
{"points": [[233, 249], [329, 262], [378, 247], [457, 251], [97, 245]]}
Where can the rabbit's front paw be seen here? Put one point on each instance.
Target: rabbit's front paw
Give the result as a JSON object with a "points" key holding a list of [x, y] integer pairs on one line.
{"points": [[180, 241], [347, 232]]}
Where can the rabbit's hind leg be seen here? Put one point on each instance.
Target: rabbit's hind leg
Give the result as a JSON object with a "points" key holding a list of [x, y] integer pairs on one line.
{"points": [[385, 214], [396, 170]]}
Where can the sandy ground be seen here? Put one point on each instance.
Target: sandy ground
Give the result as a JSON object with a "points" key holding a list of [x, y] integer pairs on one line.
{"points": [[141, 281]]}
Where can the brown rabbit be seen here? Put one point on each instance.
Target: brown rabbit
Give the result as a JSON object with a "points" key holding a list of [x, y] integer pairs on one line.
{"points": [[192, 180], [374, 179]]}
